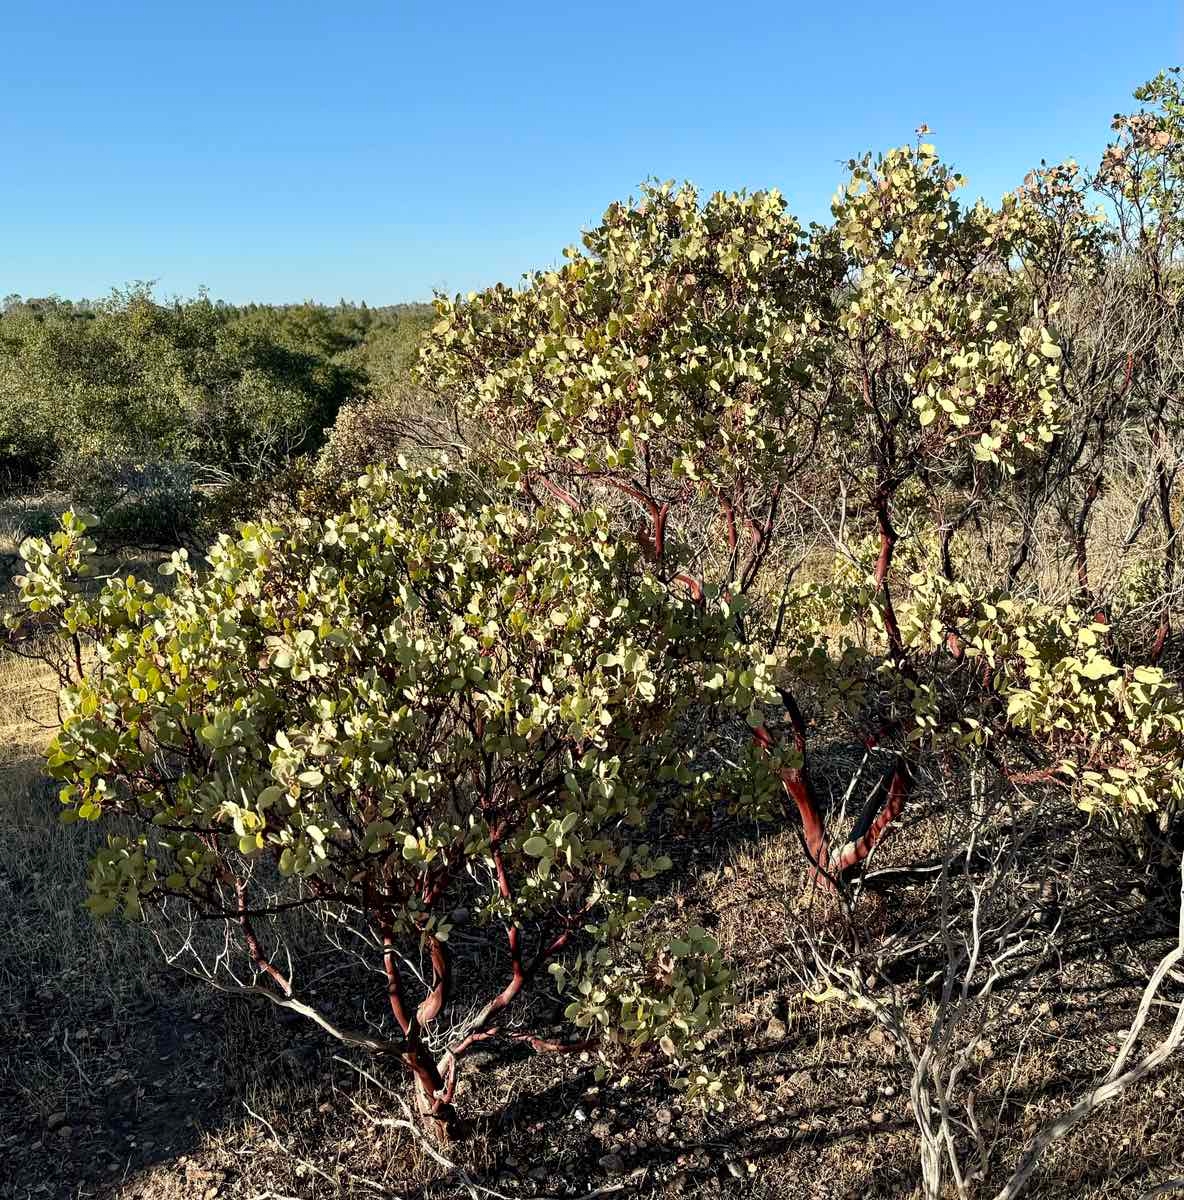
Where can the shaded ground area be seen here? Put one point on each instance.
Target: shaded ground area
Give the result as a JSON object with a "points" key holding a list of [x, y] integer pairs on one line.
{"points": [[119, 1078]]}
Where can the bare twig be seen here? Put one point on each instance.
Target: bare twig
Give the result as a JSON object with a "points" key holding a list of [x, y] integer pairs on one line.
{"points": [[1117, 1079]]}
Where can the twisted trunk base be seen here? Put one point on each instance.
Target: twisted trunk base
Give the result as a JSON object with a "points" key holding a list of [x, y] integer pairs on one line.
{"points": [[437, 1116]]}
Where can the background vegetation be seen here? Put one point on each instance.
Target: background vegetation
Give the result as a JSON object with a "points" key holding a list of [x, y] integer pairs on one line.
{"points": [[142, 409]]}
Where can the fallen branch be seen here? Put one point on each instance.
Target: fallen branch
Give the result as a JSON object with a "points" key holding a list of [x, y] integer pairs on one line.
{"points": [[1117, 1080]]}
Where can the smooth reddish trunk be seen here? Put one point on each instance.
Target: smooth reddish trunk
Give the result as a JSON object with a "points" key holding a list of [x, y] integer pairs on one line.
{"points": [[856, 851], [813, 830], [827, 867], [433, 1003]]}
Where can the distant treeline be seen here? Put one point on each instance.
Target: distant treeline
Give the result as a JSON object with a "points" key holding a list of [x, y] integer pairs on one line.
{"points": [[224, 392]]}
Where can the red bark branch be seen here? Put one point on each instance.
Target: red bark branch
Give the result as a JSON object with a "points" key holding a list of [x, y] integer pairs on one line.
{"points": [[394, 985], [797, 788], [855, 852], [730, 517], [432, 1005], [560, 493], [693, 586], [254, 949]]}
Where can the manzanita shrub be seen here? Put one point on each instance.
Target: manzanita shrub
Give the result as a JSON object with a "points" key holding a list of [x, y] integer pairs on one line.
{"points": [[426, 703], [731, 481]]}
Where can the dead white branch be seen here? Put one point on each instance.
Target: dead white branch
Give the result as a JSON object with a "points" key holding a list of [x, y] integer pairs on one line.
{"points": [[1117, 1078]]}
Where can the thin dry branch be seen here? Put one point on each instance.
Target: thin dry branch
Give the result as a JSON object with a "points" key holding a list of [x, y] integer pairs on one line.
{"points": [[1117, 1080]]}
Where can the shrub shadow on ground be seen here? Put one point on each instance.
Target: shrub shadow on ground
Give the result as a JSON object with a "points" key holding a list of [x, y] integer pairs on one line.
{"points": [[120, 1077]]}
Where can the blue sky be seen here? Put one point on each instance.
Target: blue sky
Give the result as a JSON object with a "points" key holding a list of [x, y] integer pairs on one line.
{"points": [[283, 151]]}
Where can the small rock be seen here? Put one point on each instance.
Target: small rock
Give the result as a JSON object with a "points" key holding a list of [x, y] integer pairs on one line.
{"points": [[878, 1118], [460, 916], [56, 1121], [580, 1113], [775, 1031], [612, 1164], [735, 1170], [888, 1090], [665, 1116]]}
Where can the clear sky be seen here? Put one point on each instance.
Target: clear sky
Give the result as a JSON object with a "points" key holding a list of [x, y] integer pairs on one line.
{"points": [[377, 150]]}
